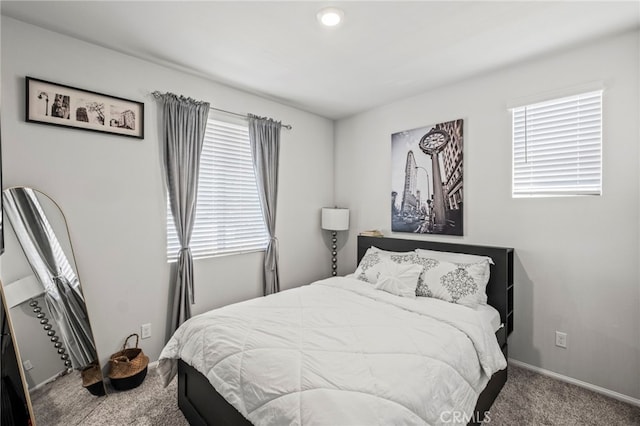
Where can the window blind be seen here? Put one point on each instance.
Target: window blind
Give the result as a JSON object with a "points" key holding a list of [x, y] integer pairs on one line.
{"points": [[557, 147], [228, 213]]}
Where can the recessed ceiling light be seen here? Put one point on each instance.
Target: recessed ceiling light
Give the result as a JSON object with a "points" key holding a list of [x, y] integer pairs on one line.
{"points": [[330, 16]]}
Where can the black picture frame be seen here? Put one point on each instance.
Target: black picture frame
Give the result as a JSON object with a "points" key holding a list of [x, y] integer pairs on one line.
{"points": [[427, 179], [66, 106]]}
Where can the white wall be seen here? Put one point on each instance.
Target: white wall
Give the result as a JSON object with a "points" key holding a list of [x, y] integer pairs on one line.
{"points": [[111, 188], [576, 258]]}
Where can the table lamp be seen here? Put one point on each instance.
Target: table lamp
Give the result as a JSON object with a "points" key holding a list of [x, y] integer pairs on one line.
{"points": [[335, 219]]}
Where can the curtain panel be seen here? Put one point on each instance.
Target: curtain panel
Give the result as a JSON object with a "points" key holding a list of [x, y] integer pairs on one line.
{"points": [[264, 135], [183, 123]]}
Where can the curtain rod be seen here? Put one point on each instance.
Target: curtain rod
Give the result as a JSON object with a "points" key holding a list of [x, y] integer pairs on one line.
{"points": [[286, 126]]}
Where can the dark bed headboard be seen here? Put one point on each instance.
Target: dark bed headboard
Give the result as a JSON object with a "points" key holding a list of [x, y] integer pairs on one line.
{"points": [[500, 286]]}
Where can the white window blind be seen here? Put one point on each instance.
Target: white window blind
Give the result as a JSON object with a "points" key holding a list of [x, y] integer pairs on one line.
{"points": [[557, 147], [228, 214]]}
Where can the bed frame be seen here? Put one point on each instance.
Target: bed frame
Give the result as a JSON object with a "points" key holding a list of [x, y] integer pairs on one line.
{"points": [[202, 405]]}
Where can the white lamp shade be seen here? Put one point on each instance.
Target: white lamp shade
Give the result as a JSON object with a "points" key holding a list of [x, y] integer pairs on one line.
{"points": [[24, 289], [335, 219]]}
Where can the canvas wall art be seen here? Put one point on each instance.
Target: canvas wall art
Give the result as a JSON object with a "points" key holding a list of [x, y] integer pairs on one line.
{"points": [[426, 182]]}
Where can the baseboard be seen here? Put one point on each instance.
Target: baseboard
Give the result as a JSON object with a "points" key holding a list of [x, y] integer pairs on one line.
{"points": [[49, 380], [591, 387]]}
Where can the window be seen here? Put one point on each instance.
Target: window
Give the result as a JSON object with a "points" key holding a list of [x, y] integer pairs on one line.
{"points": [[557, 147], [228, 213]]}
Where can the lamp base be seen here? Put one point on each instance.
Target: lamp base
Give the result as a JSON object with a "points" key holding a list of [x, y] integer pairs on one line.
{"points": [[334, 253]]}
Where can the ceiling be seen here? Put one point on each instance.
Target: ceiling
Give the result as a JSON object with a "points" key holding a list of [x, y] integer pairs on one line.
{"points": [[383, 51]]}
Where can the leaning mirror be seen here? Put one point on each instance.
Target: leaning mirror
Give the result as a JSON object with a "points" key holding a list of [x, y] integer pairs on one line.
{"points": [[47, 310]]}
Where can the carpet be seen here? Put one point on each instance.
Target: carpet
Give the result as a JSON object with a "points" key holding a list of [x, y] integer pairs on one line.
{"points": [[528, 398]]}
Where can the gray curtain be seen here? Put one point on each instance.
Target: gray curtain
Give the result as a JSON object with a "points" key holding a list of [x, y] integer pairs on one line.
{"points": [[183, 124], [264, 135], [62, 295]]}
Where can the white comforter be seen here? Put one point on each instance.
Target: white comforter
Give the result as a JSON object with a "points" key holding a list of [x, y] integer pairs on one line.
{"points": [[339, 352]]}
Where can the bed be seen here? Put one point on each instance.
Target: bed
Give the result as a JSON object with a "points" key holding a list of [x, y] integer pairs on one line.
{"points": [[369, 355]]}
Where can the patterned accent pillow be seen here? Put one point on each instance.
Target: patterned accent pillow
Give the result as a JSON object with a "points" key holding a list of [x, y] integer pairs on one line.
{"points": [[423, 288], [452, 257], [374, 256], [462, 283]]}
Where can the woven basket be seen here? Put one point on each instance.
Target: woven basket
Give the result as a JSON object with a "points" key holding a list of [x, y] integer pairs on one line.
{"points": [[92, 379], [128, 367]]}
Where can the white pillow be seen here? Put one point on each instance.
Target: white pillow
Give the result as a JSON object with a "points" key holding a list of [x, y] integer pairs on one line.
{"points": [[398, 279], [460, 283], [375, 256], [452, 257]]}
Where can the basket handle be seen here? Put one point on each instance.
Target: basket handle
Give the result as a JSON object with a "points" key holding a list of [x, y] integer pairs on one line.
{"points": [[127, 340]]}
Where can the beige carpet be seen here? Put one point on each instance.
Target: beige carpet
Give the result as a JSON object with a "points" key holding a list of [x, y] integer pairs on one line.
{"points": [[65, 403], [147, 405], [527, 399]]}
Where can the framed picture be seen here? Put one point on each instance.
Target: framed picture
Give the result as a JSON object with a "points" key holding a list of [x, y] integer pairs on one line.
{"points": [[60, 105], [427, 181]]}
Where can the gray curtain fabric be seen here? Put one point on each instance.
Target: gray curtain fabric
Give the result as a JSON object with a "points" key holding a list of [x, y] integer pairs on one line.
{"points": [[183, 124], [62, 295], [264, 135]]}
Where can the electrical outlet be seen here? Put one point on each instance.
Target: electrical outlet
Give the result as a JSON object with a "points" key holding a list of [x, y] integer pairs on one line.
{"points": [[27, 365], [145, 331], [561, 339]]}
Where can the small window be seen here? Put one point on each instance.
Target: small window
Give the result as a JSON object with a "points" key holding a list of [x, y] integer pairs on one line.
{"points": [[228, 213], [557, 147]]}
